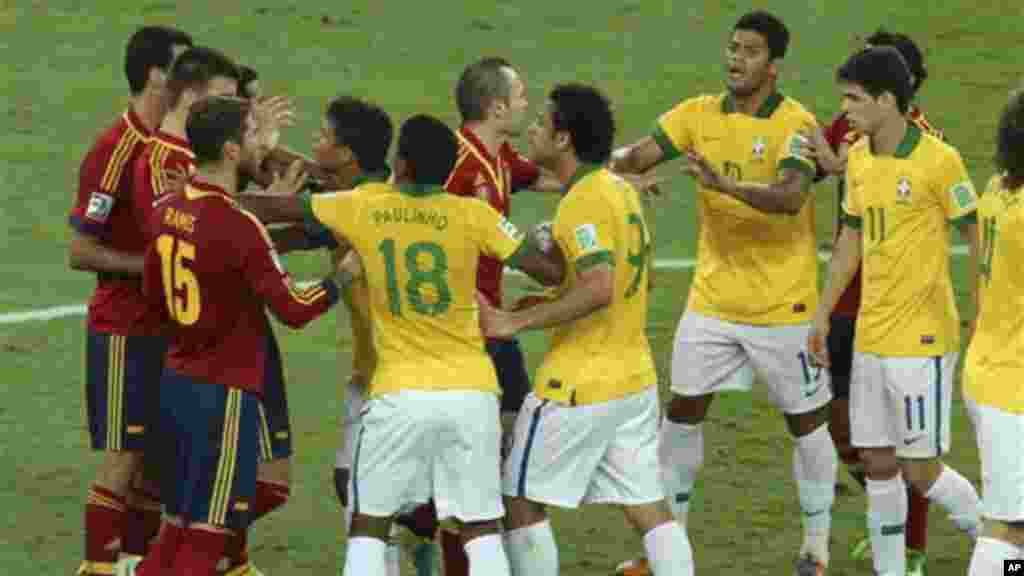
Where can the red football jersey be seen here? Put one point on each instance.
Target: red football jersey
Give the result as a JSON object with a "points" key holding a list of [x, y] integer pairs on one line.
{"points": [[211, 270], [103, 209], [164, 153], [839, 133], [492, 180]]}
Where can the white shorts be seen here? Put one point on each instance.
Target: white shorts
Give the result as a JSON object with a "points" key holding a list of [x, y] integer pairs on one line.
{"points": [[902, 402], [416, 445], [1002, 463], [712, 355], [355, 399], [596, 453]]}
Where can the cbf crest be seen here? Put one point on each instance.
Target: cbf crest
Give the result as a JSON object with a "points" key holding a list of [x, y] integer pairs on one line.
{"points": [[759, 148], [903, 190]]}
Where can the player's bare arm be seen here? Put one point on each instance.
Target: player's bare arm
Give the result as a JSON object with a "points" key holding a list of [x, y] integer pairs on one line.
{"points": [[969, 233], [786, 196], [280, 202], [593, 291], [638, 157], [845, 260], [88, 253]]}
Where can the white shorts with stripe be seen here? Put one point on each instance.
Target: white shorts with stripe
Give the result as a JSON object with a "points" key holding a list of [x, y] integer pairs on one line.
{"points": [[902, 402], [1002, 462], [712, 355], [596, 453]]}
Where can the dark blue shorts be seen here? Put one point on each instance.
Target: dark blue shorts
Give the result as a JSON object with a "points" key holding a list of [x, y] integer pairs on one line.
{"points": [[209, 438], [512, 375], [275, 429], [122, 379]]}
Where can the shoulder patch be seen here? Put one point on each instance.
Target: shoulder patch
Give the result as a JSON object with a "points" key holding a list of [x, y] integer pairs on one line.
{"points": [[964, 195], [100, 206], [586, 237], [509, 229]]}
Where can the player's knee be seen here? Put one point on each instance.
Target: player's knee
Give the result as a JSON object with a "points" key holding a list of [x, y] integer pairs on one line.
{"points": [[688, 409], [521, 512], [807, 422], [118, 470], [880, 463], [1011, 532], [278, 471], [647, 517], [921, 474]]}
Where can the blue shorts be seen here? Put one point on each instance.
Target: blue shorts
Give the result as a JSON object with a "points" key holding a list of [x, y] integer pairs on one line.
{"points": [[510, 365], [210, 445], [275, 429], [122, 376]]}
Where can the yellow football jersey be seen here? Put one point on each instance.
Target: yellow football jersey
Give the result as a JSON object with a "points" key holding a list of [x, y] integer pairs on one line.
{"points": [[605, 355], [752, 267], [994, 368], [420, 248], [357, 301], [902, 205]]}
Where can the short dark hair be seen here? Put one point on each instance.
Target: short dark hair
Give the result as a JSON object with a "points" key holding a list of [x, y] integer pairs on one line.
{"points": [[480, 84], [1010, 139], [212, 122], [429, 147], [878, 70], [195, 68], [150, 47], [365, 128], [246, 74], [912, 55], [775, 33], [586, 115]]}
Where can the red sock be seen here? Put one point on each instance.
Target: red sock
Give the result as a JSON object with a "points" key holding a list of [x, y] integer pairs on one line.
{"points": [[142, 523], [269, 497], [453, 555], [200, 552], [104, 521], [161, 555], [917, 520]]}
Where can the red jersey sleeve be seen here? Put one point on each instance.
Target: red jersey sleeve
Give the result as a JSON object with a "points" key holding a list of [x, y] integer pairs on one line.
{"points": [[524, 172], [99, 179], [268, 279]]}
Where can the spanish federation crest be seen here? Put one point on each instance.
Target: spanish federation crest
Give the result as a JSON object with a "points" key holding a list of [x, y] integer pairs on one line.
{"points": [[759, 147], [903, 190]]}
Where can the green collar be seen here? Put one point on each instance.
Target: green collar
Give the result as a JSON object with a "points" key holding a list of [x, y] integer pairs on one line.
{"points": [[909, 142], [412, 189], [581, 172], [768, 107], [380, 176]]}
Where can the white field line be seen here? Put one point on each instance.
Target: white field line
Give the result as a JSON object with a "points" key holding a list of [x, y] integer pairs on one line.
{"points": [[55, 312]]}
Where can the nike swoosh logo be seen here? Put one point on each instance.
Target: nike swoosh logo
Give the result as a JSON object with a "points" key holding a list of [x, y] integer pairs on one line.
{"points": [[815, 513], [909, 441]]}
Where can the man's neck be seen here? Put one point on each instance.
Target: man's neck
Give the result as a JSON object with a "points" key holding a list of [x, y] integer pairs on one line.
{"points": [[752, 103], [886, 140], [149, 108], [346, 176], [174, 122], [565, 168], [219, 176], [490, 137]]}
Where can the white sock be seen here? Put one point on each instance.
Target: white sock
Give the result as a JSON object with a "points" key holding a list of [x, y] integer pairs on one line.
{"points": [[532, 550], [681, 454], [365, 557], [887, 519], [394, 553], [957, 495], [815, 464], [668, 550], [487, 556], [988, 556]]}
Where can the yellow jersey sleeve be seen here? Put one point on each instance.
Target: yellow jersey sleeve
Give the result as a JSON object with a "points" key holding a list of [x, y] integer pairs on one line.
{"points": [[584, 231], [495, 235], [954, 187], [795, 154], [335, 210], [675, 129]]}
